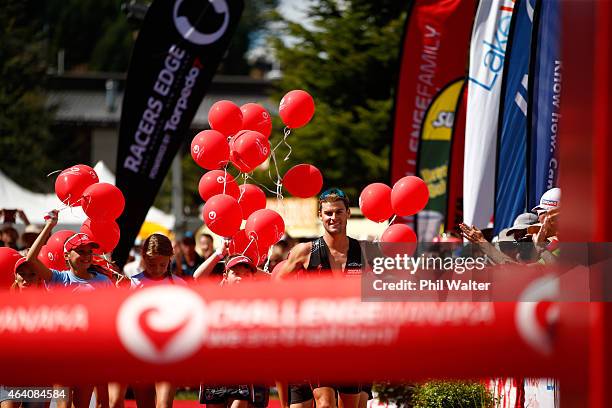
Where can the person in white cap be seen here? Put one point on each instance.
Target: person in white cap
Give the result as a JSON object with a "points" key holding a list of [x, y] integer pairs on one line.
{"points": [[550, 200]]}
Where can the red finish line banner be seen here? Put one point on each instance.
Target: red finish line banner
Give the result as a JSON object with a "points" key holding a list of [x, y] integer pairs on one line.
{"points": [[262, 331]]}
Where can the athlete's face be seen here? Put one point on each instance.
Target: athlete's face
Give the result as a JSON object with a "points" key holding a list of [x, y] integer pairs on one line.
{"points": [[156, 265], [334, 217]]}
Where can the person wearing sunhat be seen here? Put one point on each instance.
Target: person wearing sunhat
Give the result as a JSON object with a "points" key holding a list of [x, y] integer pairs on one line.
{"points": [[78, 253]]}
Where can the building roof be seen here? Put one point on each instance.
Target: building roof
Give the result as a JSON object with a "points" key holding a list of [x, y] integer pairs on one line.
{"points": [[83, 99]]}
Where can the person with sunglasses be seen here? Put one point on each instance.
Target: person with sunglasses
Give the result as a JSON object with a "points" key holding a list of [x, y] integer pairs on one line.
{"points": [[333, 253]]}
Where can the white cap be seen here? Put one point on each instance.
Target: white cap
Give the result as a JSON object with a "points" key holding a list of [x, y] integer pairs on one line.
{"points": [[550, 200]]}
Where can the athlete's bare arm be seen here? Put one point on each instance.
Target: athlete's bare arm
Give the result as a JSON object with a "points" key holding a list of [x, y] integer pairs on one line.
{"points": [[297, 260]]}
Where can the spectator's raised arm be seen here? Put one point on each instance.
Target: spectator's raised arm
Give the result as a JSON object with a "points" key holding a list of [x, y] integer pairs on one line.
{"points": [[42, 270]]}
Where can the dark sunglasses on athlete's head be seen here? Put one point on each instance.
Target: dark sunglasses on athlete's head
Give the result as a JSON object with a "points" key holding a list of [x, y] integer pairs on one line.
{"points": [[332, 191]]}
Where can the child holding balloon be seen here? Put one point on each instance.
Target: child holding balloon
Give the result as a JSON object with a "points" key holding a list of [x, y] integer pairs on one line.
{"points": [[78, 254], [79, 274]]}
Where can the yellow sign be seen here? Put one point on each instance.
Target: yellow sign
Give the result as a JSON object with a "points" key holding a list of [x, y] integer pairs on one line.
{"points": [[438, 124]]}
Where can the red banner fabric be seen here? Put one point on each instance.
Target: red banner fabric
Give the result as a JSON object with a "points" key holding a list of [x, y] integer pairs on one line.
{"points": [[256, 332]]}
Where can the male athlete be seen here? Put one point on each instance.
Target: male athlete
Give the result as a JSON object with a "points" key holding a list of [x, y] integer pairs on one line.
{"points": [[340, 255]]}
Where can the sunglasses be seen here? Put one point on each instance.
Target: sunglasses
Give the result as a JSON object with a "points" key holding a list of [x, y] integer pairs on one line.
{"points": [[330, 191]]}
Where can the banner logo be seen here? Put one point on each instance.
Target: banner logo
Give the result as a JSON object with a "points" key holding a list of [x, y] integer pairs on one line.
{"points": [[535, 321], [162, 324], [191, 34]]}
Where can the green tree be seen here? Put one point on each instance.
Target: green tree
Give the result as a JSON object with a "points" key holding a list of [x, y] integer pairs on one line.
{"points": [[348, 62], [25, 137]]}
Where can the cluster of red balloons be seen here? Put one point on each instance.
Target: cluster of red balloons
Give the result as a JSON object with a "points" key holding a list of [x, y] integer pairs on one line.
{"points": [[378, 202], [237, 134], [240, 136], [103, 203]]}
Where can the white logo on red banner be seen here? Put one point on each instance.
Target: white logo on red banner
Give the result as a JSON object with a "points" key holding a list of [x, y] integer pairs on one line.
{"points": [[536, 319], [163, 324]]}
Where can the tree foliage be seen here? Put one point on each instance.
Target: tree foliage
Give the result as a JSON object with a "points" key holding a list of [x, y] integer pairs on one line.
{"points": [[348, 61], [25, 137]]}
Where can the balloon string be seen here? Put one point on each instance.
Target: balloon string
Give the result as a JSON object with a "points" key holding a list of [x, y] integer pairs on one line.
{"points": [[393, 219], [287, 132], [266, 267], [278, 183], [248, 246], [245, 176], [260, 184], [224, 178], [53, 172]]}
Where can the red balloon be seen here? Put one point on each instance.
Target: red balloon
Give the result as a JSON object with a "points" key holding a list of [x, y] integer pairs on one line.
{"points": [[103, 201], [217, 182], [52, 259], [256, 117], [8, 258], [72, 182], [398, 233], [210, 149], [105, 233], [267, 226], [225, 117], [409, 196], [55, 243], [296, 108], [303, 180], [375, 202], [248, 149], [222, 215], [400, 239], [240, 245], [252, 198]]}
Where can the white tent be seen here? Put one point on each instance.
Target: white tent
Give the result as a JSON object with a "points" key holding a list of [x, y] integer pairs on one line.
{"points": [[36, 205]]}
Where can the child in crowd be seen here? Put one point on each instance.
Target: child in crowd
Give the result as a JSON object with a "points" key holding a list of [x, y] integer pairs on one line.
{"points": [[237, 269], [80, 275], [157, 255]]}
